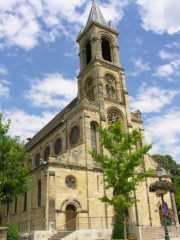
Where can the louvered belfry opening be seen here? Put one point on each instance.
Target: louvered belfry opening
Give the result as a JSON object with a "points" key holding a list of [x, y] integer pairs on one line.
{"points": [[88, 53], [106, 50]]}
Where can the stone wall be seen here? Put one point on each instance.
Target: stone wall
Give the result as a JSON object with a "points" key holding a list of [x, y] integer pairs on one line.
{"points": [[3, 233]]}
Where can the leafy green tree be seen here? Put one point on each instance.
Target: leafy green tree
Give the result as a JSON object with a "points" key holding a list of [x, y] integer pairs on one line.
{"points": [[118, 230], [120, 165], [167, 162], [13, 168], [177, 194]]}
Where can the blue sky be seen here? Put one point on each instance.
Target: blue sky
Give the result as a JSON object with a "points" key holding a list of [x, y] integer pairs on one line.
{"points": [[39, 62]]}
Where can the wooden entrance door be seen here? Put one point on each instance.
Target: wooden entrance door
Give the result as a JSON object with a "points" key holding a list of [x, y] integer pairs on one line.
{"points": [[70, 217]]}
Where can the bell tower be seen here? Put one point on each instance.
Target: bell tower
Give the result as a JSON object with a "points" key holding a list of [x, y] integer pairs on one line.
{"points": [[101, 81]]}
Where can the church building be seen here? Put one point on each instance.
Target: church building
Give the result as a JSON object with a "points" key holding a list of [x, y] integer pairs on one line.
{"points": [[66, 183]]}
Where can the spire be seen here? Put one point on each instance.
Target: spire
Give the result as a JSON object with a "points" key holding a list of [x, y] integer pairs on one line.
{"points": [[96, 15]]}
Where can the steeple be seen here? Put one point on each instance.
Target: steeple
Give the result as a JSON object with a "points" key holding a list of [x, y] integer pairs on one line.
{"points": [[96, 15]]}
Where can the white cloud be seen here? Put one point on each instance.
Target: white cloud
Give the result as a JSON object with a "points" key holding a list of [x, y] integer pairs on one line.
{"points": [[169, 69], [52, 91], [26, 125], [139, 67], [160, 16], [164, 131], [25, 23], [4, 88], [3, 70], [173, 44], [152, 99], [167, 55]]}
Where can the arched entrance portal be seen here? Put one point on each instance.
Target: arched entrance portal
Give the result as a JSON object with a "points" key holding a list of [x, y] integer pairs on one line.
{"points": [[71, 217]]}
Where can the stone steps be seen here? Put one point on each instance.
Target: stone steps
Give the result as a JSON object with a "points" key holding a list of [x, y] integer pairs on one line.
{"points": [[59, 235], [158, 233]]}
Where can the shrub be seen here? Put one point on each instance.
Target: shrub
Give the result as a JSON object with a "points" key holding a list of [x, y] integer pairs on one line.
{"points": [[13, 233], [118, 230]]}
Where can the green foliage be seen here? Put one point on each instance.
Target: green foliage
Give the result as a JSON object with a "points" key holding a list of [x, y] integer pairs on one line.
{"points": [[121, 163], [163, 184], [169, 164], [13, 233], [176, 182], [118, 230], [13, 167]]}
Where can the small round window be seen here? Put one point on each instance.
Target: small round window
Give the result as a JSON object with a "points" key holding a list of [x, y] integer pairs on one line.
{"points": [[113, 116], [70, 182], [74, 135]]}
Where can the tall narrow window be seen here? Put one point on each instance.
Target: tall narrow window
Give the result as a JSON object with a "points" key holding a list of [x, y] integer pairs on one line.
{"points": [[47, 153], [93, 137], [90, 89], [74, 135], [25, 201], [15, 205], [106, 49], [88, 53], [58, 146], [37, 160], [110, 87], [39, 193]]}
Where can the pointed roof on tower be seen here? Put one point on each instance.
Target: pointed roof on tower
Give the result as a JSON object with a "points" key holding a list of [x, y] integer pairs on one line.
{"points": [[96, 15]]}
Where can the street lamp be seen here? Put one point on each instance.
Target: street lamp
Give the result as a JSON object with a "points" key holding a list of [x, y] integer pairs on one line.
{"points": [[159, 173]]}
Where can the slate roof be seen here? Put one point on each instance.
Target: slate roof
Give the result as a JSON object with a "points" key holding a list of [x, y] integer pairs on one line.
{"points": [[96, 15], [56, 121]]}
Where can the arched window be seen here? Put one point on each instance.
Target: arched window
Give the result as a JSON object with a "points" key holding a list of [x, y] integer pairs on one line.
{"points": [[106, 49], [88, 53], [74, 135], [58, 146], [90, 89], [25, 201], [110, 87], [39, 193], [47, 153], [37, 160], [93, 137], [15, 205], [30, 163]]}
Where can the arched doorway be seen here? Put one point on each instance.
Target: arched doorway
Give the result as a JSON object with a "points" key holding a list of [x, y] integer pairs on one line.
{"points": [[71, 217]]}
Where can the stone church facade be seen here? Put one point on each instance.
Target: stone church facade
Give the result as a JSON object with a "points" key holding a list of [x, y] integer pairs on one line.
{"points": [[66, 183]]}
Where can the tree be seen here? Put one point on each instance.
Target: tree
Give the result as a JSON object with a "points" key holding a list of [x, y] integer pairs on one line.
{"points": [[120, 165], [167, 162], [13, 168], [177, 194]]}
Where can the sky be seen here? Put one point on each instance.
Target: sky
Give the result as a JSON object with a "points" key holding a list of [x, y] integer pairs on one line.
{"points": [[39, 62]]}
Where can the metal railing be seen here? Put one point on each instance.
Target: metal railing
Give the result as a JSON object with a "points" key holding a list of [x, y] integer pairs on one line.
{"points": [[86, 223], [77, 223]]}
